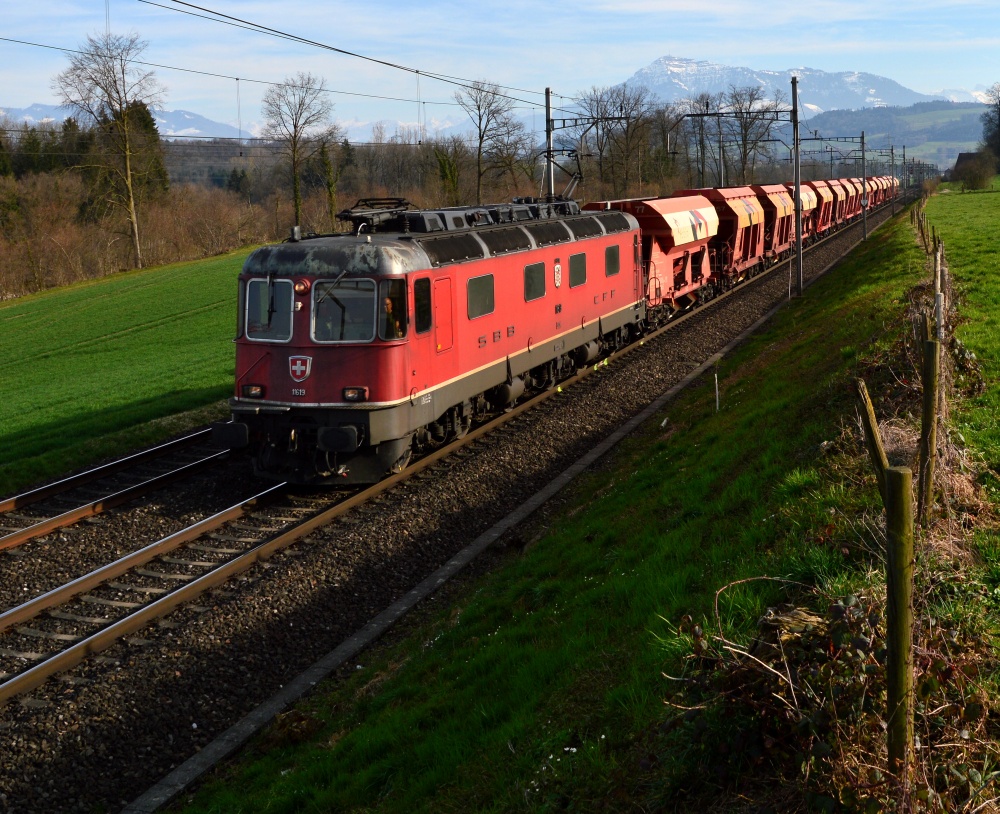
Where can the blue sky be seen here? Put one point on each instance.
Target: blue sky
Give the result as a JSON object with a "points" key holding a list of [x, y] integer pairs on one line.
{"points": [[926, 45]]}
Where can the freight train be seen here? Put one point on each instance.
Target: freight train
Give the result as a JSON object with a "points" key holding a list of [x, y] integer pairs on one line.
{"points": [[354, 350]]}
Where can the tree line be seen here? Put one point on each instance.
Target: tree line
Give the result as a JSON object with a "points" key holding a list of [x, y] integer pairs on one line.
{"points": [[103, 191]]}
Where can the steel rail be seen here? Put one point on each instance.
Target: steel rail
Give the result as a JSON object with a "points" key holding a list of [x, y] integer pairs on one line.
{"points": [[42, 492], [64, 593], [16, 538], [66, 659]]}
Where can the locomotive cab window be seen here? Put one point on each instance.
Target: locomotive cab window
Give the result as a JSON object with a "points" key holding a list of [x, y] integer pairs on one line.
{"points": [[577, 270], [344, 311], [269, 310], [480, 293], [534, 281], [612, 263], [392, 309], [422, 305]]}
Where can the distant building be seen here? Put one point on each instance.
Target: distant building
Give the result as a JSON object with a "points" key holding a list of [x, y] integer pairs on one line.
{"points": [[964, 158], [974, 170]]}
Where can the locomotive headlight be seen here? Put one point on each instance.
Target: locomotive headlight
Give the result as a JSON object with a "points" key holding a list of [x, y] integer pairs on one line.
{"points": [[355, 394], [301, 286], [252, 391]]}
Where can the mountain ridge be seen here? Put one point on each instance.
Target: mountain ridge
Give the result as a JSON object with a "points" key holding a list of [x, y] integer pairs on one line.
{"points": [[673, 79], [170, 123]]}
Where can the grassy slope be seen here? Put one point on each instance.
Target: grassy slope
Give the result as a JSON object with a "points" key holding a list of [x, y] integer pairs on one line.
{"points": [[88, 367], [967, 225], [542, 687]]}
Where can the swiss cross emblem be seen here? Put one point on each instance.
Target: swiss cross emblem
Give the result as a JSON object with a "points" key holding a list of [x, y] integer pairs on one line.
{"points": [[299, 367]]}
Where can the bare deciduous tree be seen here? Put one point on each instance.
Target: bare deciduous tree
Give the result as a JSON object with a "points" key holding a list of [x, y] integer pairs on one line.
{"points": [[991, 120], [592, 138], [105, 83], [632, 107], [751, 118], [700, 131], [451, 156], [665, 135], [297, 114], [489, 110], [510, 152]]}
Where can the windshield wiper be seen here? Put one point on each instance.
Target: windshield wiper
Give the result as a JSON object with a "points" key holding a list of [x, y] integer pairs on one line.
{"points": [[332, 286], [270, 298]]}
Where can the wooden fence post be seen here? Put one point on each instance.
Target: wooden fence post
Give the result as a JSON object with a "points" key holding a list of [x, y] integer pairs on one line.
{"points": [[928, 430], [899, 619], [873, 440]]}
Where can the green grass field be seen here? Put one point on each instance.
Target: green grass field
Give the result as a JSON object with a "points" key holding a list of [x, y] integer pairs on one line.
{"points": [[542, 687], [88, 370], [967, 224]]}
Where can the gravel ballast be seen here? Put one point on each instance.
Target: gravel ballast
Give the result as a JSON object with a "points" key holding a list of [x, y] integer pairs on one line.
{"points": [[98, 736]]}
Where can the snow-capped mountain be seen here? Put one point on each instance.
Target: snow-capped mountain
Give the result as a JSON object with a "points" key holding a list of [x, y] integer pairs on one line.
{"points": [[170, 123], [182, 124], [669, 78], [676, 78], [960, 95]]}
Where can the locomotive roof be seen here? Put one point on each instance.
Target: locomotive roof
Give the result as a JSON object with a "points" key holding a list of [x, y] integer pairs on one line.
{"points": [[399, 252]]}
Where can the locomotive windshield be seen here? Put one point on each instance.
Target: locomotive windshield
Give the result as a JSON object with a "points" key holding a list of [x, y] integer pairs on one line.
{"points": [[269, 310], [344, 311]]}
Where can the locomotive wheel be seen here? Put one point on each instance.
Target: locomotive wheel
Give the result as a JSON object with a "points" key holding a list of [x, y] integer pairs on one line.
{"points": [[402, 461]]}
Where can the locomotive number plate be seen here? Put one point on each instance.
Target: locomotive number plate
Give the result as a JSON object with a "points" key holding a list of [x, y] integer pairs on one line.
{"points": [[297, 391]]}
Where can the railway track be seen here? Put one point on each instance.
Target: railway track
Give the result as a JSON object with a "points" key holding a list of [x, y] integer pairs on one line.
{"points": [[55, 631], [271, 622], [89, 493]]}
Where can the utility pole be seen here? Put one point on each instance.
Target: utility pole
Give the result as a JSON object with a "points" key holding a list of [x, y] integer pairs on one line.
{"points": [[550, 163], [797, 171], [701, 134], [722, 157], [864, 193], [892, 158], [551, 125]]}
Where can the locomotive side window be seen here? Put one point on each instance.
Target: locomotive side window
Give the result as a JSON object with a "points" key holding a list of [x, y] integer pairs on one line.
{"points": [[577, 270], [612, 263], [269, 310], [534, 281], [392, 309], [422, 304], [344, 311], [480, 296]]}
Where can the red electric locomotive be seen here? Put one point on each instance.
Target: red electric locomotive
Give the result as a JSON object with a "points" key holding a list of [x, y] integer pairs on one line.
{"points": [[353, 349]]}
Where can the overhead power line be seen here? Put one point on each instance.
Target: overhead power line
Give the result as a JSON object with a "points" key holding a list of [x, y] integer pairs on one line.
{"points": [[227, 76], [237, 22]]}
